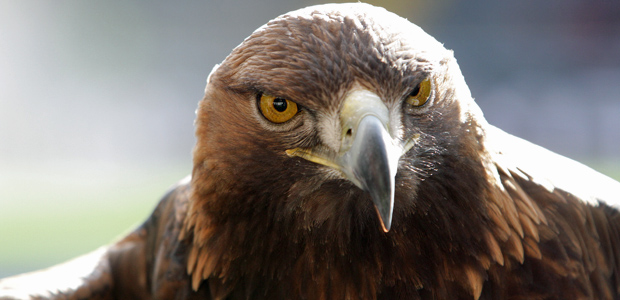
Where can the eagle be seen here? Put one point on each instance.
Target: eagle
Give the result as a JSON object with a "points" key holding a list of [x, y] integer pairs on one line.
{"points": [[340, 155]]}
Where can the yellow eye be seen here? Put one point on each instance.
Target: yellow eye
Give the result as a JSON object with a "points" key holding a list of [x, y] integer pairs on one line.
{"points": [[420, 94], [277, 110]]}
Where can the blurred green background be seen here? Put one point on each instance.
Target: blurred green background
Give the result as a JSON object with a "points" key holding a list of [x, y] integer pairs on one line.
{"points": [[97, 98]]}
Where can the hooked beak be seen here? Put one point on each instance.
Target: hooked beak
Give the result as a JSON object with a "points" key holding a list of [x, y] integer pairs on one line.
{"points": [[368, 155]]}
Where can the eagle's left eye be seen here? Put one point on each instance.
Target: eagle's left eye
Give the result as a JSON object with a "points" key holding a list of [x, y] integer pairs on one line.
{"points": [[276, 109], [420, 94]]}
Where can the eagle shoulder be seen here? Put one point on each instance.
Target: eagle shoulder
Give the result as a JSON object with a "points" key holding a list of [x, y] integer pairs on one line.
{"points": [[554, 222]]}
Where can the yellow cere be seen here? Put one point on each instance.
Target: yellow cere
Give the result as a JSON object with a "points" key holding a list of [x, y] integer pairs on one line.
{"points": [[314, 157], [276, 109], [421, 94]]}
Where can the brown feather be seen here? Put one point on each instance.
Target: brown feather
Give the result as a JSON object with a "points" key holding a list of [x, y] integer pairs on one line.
{"points": [[501, 229], [474, 281], [494, 248], [531, 248], [529, 227]]}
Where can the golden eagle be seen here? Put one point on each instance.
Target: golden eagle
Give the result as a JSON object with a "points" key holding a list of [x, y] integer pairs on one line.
{"points": [[340, 155]]}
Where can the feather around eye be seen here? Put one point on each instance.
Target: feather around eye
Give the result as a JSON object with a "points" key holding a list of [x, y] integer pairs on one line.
{"points": [[420, 95], [275, 109]]}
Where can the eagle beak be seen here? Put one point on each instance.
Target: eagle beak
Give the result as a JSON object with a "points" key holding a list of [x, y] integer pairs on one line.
{"points": [[371, 164], [368, 154]]}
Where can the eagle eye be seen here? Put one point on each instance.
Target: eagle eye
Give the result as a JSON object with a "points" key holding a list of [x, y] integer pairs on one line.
{"points": [[276, 109], [420, 94]]}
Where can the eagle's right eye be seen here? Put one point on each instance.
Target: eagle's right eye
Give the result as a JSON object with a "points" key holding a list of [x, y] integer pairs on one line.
{"points": [[277, 109], [420, 94]]}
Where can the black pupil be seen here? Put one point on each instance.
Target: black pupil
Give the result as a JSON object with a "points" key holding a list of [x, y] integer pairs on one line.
{"points": [[279, 104], [415, 91]]}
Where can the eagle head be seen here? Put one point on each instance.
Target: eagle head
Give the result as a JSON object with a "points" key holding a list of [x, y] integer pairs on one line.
{"points": [[326, 108]]}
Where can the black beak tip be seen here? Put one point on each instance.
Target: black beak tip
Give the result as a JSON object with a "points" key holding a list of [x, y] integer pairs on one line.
{"points": [[385, 218]]}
